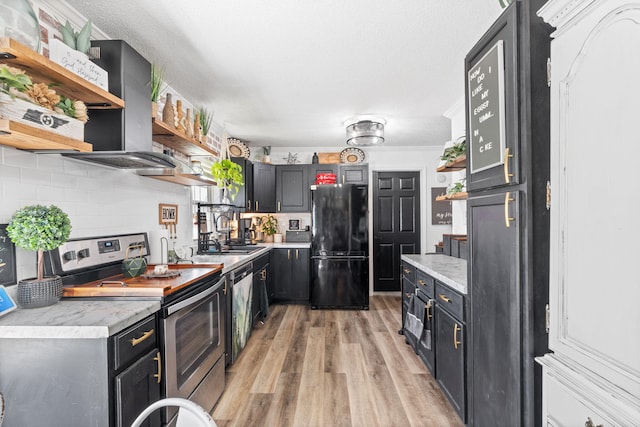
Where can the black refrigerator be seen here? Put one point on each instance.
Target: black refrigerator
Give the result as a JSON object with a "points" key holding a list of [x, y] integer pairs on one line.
{"points": [[339, 246]]}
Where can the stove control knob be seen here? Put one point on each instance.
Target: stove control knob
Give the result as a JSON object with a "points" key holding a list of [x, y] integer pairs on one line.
{"points": [[83, 253], [69, 256]]}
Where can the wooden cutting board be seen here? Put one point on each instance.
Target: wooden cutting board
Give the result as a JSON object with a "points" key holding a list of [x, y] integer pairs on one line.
{"points": [[118, 286]]}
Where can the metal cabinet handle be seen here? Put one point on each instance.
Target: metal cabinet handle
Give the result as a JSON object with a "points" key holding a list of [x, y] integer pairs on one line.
{"points": [[297, 254], [444, 298], [289, 254], [507, 175], [456, 329], [407, 271], [408, 294], [256, 202], [507, 218], [248, 203], [136, 341], [279, 209], [422, 282], [428, 308], [343, 178], [224, 290], [158, 359]]}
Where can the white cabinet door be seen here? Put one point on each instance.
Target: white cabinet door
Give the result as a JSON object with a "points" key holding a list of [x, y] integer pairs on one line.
{"points": [[595, 148]]}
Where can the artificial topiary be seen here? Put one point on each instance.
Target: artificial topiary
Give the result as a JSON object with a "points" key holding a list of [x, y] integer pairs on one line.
{"points": [[39, 228]]}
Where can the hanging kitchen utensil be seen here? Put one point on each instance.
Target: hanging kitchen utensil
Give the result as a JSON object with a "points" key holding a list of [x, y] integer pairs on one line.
{"points": [[133, 267]]}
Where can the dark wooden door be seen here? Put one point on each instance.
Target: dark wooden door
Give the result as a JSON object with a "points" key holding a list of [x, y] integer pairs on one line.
{"points": [[300, 274], [281, 273], [495, 310], [396, 225], [264, 187], [450, 367], [244, 197], [136, 388]]}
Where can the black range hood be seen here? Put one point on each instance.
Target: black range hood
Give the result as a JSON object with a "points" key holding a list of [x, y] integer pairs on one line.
{"points": [[122, 138]]}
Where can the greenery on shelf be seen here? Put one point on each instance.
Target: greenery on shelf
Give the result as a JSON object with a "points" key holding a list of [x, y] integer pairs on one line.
{"points": [[206, 118], [157, 81], [458, 149], [269, 225], [39, 228], [80, 41], [456, 187], [228, 175]]}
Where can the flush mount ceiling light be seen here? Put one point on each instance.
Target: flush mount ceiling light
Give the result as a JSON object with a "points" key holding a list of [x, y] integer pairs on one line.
{"points": [[365, 132]]}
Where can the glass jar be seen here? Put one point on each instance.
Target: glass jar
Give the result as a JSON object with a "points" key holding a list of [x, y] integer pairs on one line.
{"points": [[19, 21]]}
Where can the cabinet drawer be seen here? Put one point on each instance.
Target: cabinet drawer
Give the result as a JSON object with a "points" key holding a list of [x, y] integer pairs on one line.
{"points": [[408, 272], [408, 289], [425, 283], [450, 300], [134, 341]]}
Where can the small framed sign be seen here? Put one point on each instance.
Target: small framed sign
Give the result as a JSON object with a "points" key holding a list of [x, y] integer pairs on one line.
{"points": [[168, 214], [6, 303], [7, 258], [294, 224]]}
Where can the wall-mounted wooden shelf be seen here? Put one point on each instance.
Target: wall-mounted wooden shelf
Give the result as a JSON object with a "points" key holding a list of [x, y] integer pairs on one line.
{"points": [[179, 141], [25, 137], [457, 164], [462, 195], [43, 70]]}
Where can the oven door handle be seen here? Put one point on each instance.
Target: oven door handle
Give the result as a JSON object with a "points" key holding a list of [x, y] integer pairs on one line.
{"points": [[194, 299]]}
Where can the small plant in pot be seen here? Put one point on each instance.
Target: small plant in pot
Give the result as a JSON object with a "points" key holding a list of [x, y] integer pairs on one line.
{"points": [[39, 228], [269, 225], [229, 177]]}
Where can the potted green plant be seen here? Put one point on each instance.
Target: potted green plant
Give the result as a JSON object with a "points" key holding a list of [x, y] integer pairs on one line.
{"points": [[39, 228], [157, 85], [269, 225], [206, 118], [229, 177]]}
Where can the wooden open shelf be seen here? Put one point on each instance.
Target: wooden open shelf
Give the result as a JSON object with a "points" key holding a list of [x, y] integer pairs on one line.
{"points": [[457, 164], [179, 141], [462, 195], [25, 137], [42, 70]]}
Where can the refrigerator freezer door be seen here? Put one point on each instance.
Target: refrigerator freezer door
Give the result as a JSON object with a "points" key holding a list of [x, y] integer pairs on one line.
{"points": [[339, 219], [340, 282]]}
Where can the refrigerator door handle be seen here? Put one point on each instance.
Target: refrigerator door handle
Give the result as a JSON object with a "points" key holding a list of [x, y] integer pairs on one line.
{"points": [[354, 258]]}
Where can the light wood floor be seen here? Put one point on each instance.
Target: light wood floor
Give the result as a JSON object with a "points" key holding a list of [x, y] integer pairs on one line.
{"points": [[308, 367]]}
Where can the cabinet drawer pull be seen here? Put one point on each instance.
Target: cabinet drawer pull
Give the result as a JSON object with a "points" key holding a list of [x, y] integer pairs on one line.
{"points": [[407, 271], [159, 362], [279, 207], [428, 308], [256, 205], [136, 341], [422, 282], [507, 218], [456, 329], [507, 175], [444, 298], [408, 294], [249, 204], [289, 254]]}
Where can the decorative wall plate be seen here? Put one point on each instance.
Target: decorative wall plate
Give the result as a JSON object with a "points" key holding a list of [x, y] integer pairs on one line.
{"points": [[352, 155], [238, 148]]}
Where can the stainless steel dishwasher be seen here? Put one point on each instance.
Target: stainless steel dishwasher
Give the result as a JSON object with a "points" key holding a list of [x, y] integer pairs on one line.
{"points": [[239, 316]]}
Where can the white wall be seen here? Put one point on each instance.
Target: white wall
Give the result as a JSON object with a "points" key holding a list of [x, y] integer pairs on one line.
{"points": [[98, 200], [456, 114]]}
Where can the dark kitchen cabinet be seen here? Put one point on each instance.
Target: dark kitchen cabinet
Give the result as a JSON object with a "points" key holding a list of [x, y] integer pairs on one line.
{"points": [[315, 169], [508, 220], [264, 187], [291, 274], [292, 188], [450, 357], [408, 277], [426, 345], [245, 196], [354, 174], [80, 381]]}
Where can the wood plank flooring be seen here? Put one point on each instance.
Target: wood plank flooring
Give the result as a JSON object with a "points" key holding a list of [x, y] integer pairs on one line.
{"points": [[308, 367]]}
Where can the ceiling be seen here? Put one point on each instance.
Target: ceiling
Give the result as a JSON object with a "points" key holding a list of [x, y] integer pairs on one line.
{"points": [[289, 73]]}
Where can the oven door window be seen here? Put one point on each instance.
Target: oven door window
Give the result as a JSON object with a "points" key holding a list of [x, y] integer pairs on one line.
{"points": [[194, 342]]}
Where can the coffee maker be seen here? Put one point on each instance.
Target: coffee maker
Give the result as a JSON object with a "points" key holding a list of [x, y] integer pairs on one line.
{"points": [[244, 231]]}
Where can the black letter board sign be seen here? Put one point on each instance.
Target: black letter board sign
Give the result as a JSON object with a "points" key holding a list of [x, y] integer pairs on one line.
{"points": [[486, 110], [7, 258]]}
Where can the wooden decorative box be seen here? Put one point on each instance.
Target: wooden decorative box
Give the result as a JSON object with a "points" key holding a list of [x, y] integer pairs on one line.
{"points": [[21, 111]]}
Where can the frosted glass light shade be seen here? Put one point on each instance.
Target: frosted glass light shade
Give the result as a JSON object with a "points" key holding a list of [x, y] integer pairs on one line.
{"points": [[365, 132]]}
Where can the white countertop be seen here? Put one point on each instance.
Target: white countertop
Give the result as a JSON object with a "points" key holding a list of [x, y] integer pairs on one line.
{"points": [[449, 270], [75, 318]]}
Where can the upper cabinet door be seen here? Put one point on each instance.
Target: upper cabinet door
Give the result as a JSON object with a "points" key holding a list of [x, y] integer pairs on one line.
{"points": [[492, 102], [264, 187], [292, 188], [594, 289]]}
